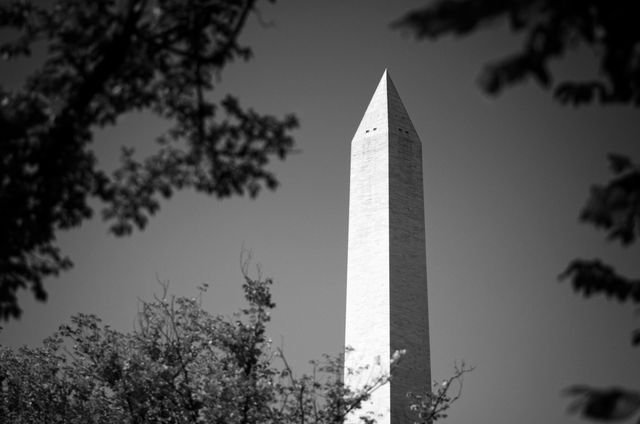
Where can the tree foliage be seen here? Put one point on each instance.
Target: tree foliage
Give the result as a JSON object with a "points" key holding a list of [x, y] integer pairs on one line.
{"points": [[181, 364], [614, 208], [549, 28], [613, 404], [433, 406], [105, 59]]}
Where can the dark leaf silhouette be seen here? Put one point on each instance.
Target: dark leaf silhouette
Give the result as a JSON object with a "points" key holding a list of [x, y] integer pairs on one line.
{"points": [[549, 29], [615, 206], [614, 404], [106, 59], [591, 277]]}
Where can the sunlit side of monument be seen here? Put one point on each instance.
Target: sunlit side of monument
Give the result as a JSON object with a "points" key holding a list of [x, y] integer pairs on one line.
{"points": [[387, 305]]}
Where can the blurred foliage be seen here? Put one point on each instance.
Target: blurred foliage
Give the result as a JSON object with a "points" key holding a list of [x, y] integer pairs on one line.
{"points": [[614, 208], [181, 364], [609, 31], [614, 404], [105, 59], [549, 29], [594, 276]]}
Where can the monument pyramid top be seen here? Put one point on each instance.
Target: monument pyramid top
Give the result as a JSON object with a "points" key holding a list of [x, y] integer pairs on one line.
{"points": [[386, 113]]}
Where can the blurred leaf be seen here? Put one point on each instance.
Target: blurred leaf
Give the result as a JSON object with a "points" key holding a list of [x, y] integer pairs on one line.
{"points": [[548, 30], [615, 206], [591, 277], [614, 404], [620, 163]]}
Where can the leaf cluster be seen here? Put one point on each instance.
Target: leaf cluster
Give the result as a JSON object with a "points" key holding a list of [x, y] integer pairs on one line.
{"points": [[103, 60], [612, 404], [549, 29], [614, 208]]}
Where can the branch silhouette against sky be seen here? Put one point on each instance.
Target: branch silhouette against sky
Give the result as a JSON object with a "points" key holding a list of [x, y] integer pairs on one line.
{"points": [[97, 62]]}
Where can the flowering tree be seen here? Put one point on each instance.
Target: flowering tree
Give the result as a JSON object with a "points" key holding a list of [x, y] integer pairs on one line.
{"points": [[181, 364]]}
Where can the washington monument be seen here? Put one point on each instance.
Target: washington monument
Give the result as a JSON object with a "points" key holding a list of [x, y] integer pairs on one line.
{"points": [[387, 305]]}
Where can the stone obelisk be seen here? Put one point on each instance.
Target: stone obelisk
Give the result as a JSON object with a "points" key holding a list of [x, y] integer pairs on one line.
{"points": [[387, 305]]}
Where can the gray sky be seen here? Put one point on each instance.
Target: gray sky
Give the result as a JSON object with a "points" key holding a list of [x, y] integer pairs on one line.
{"points": [[504, 182]]}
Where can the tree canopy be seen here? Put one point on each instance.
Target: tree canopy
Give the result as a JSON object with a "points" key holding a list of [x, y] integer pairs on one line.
{"points": [[180, 365], [103, 60], [183, 364]]}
